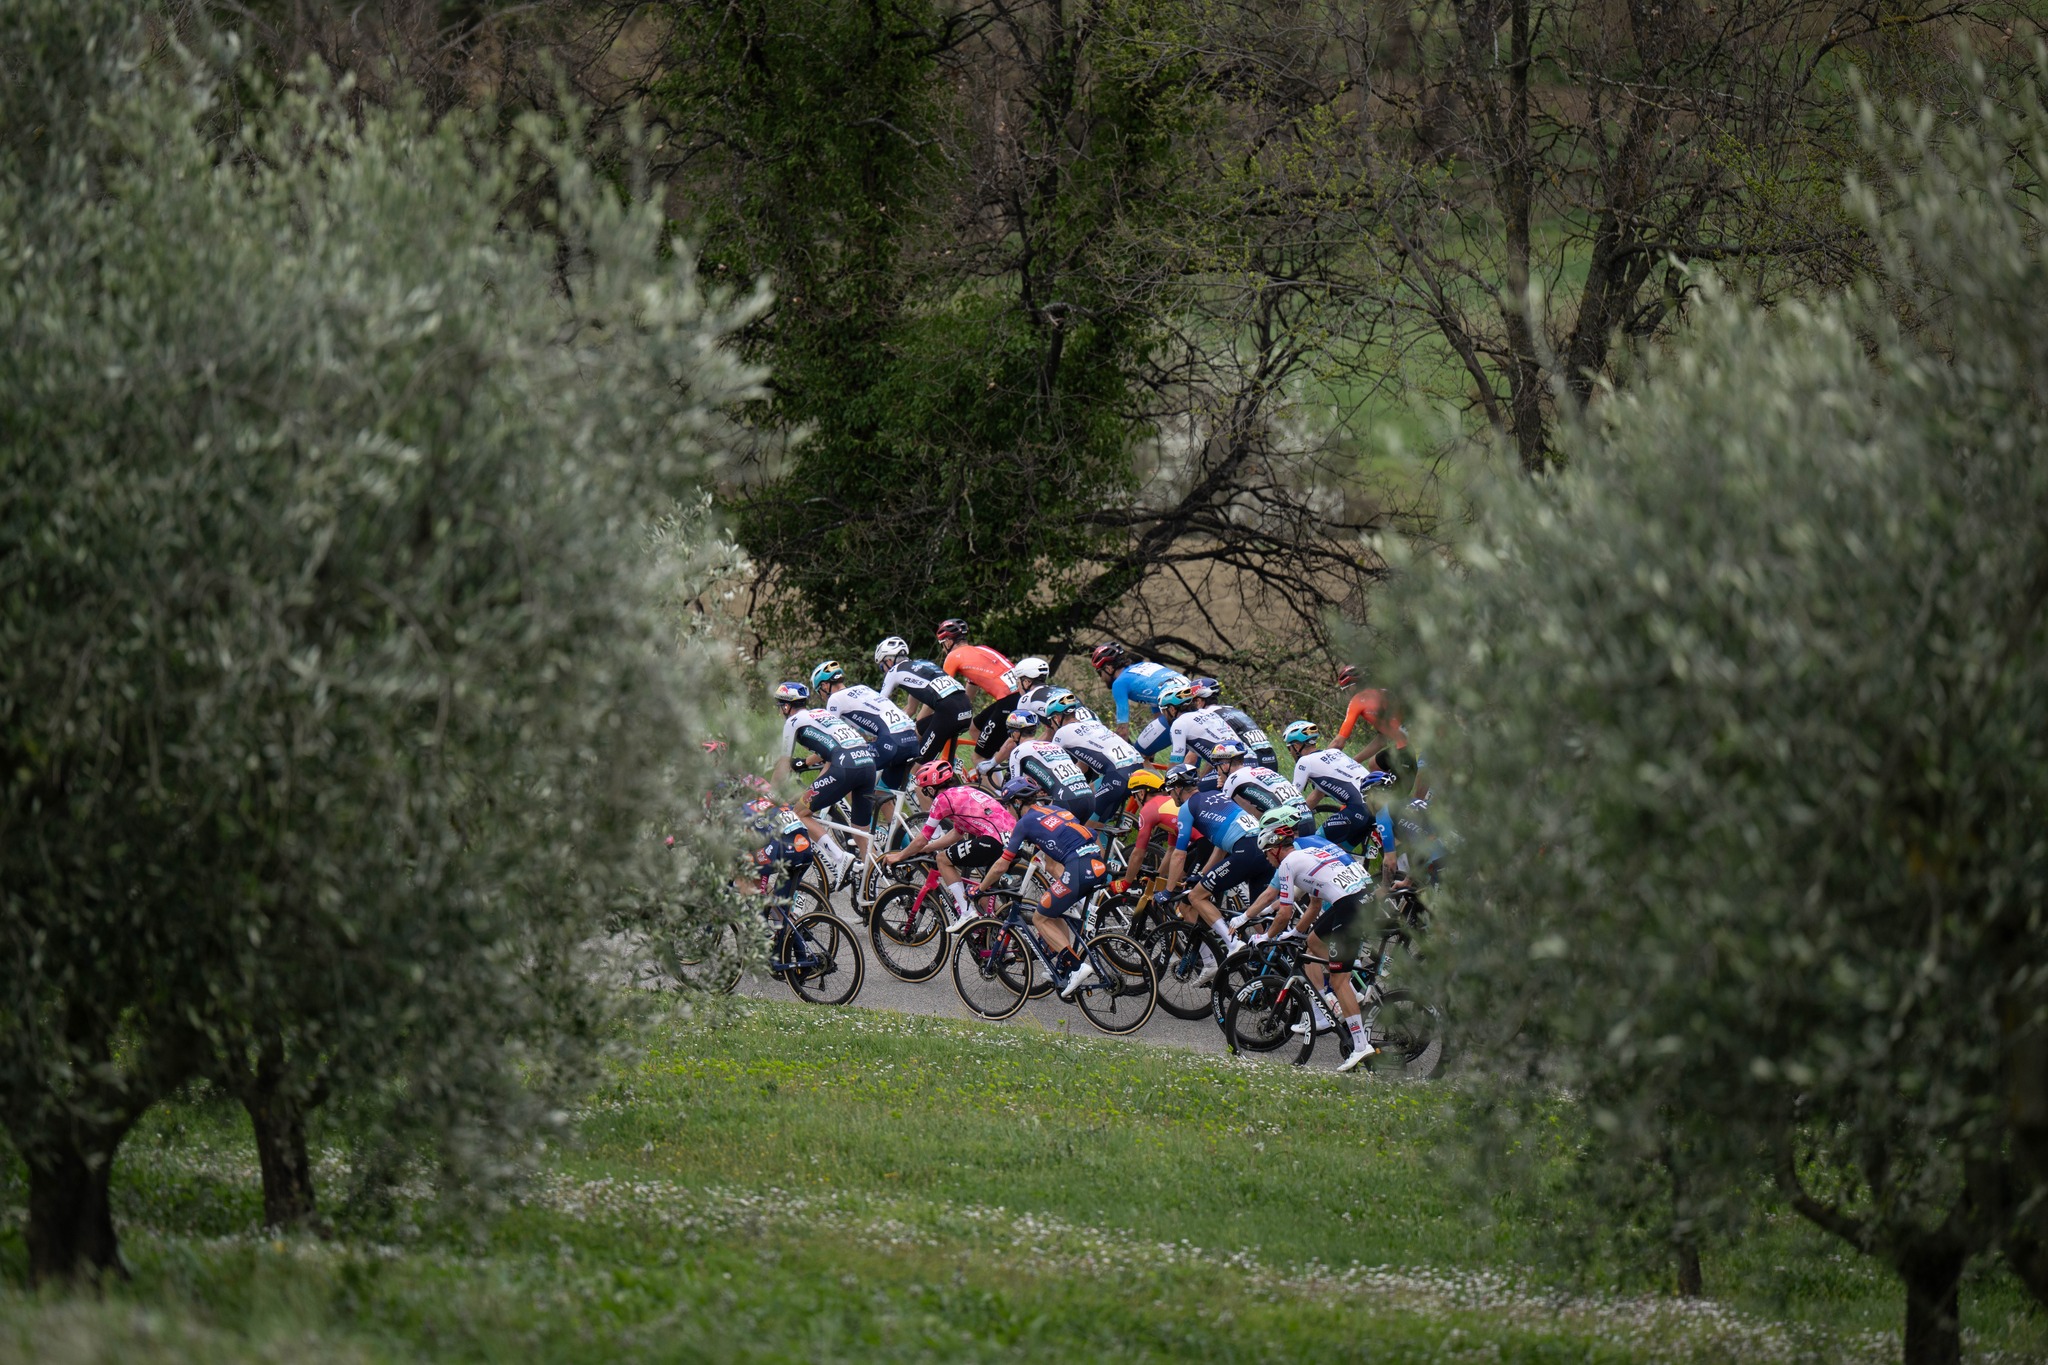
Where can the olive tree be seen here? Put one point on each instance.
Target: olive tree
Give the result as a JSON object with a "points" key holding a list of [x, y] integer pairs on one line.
{"points": [[1742, 722], [337, 693]]}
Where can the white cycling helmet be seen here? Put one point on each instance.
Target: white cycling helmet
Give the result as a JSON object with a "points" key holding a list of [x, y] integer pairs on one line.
{"points": [[1032, 668], [895, 647]]}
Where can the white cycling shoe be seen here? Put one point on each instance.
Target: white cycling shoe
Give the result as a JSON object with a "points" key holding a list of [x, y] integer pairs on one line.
{"points": [[1083, 974], [962, 920], [1358, 1054], [1205, 976]]}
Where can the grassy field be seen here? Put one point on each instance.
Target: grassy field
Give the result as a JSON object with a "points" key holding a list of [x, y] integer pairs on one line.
{"points": [[797, 1184]]}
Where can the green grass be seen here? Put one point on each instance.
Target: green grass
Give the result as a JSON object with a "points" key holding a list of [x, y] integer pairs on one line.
{"points": [[802, 1184]]}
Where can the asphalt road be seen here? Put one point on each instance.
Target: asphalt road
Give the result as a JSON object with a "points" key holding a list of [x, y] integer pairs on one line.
{"points": [[881, 991]]}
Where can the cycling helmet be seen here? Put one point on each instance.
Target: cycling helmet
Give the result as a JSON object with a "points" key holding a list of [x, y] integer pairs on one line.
{"points": [[1145, 780], [1207, 689], [1019, 789], [1301, 732], [1022, 719], [1227, 751], [1378, 777], [952, 630], [1179, 775], [1108, 654], [1277, 837], [1032, 668], [937, 773], [827, 672], [1347, 675], [1176, 694], [793, 693], [1286, 816], [895, 647], [1061, 703]]}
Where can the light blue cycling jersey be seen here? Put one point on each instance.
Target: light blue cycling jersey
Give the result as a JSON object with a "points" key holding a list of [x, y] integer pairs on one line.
{"points": [[1142, 683]]}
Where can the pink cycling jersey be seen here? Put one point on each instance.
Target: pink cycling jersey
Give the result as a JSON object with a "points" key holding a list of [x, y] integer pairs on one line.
{"points": [[969, 810]]}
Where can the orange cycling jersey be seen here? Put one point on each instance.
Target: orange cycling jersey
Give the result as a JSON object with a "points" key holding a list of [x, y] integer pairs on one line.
{"points": [[983, 667], [1368, 705]]}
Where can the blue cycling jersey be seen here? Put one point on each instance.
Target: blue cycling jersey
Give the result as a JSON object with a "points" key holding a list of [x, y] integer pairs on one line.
{"points": [[1217, 818], [1052, 832], [1141, 682]]}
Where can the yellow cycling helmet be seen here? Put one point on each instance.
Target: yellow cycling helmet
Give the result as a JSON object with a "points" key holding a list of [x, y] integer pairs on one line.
{"points": [[1146, 780]]}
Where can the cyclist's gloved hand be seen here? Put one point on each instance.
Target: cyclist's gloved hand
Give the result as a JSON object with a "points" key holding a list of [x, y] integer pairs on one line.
{"points": [[1162, 899], [972, 889], [1119, 886]]}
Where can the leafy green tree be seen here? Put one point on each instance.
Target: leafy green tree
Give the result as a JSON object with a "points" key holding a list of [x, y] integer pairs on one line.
{"points": [[337, 693], [1743, 723]]}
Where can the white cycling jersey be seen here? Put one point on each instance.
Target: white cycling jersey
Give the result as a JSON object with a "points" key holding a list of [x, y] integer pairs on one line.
{"points": [[1200, 731], [1051, 767], [1329, 874], [1269, 789], [872, 712], [1334, 773], [824, 734], [1097, 747]]}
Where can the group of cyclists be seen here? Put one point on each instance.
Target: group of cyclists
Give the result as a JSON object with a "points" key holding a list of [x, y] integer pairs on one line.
{"points": [[1050, 779]]}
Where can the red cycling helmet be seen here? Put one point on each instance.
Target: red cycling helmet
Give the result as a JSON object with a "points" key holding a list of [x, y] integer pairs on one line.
{"points": [[1347, 675], [937, 773], [1108, 654], [952, 630]]}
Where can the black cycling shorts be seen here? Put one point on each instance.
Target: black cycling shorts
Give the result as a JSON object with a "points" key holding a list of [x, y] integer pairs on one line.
{"points": [[975, 853], [989, 726], [936, 731], [1244, 865], [855, 782], [1338, 926]]}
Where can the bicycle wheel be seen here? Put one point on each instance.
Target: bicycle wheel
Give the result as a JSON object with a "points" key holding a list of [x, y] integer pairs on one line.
{"points": [[1175, 952], [991, 969], [910, 939], [1121, 997], [1030, 975], [1409, 1035], [707, 957], [1259, 1013], [823, 962]]}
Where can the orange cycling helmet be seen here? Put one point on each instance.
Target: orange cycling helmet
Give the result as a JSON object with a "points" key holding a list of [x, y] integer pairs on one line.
{"points": [[937, 773]]}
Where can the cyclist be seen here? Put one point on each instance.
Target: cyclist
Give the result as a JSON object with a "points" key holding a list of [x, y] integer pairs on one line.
{"points": [[1132, 680], [981, 667], [847, 757], [964, 827], [1194, 731], [1066, 841], [1158, 809], [1373, 706], [1211, 826], [1259, 788], [1048, 765], [943, 710], [893, 734], [1207, 693], [1329, 878], [1100, 750], [785, 846], [1337, 775]]}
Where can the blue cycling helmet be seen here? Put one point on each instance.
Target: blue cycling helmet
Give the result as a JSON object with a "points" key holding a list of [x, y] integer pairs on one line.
{"points": [[1176, 694], [794, 693], [1377, 778], [1301, 732], [1207, 688], [1062, 705], [1019, 789], [1225, 751], [827, 672], [1023, 718], [1180, 775]]}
